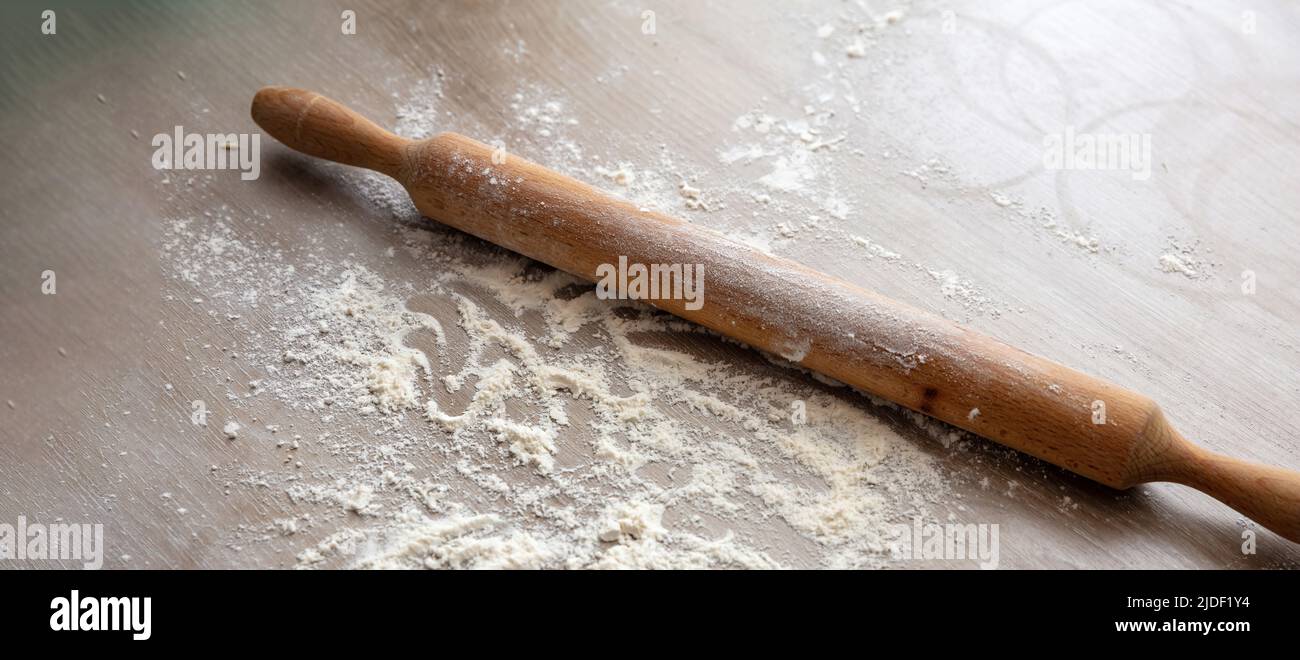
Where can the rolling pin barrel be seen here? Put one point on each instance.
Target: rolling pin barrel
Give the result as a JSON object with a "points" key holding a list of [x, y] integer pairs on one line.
{"points": [[1084, 424]]}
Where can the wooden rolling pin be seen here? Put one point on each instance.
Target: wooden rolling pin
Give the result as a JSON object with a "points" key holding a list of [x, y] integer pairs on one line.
{"points": [[1083, 424]]}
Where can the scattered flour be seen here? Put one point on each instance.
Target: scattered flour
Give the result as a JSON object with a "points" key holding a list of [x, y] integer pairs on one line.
{"points": [[1185, 258], [529, 454], [478, 411], [1174, 263]]}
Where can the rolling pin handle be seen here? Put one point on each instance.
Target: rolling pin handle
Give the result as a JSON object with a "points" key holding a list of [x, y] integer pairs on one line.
{"points": [[318, 126], [1268, 495]]}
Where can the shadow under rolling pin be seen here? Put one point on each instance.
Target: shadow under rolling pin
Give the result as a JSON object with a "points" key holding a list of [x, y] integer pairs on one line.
{"points": [[856, 336]]}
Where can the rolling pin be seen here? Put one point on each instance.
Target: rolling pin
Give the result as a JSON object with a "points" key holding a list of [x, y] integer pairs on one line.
{"points": [[1084, 424]]}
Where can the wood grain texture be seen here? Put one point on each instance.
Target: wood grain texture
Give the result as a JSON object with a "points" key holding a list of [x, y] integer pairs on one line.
{"points": [[1217, 102]]}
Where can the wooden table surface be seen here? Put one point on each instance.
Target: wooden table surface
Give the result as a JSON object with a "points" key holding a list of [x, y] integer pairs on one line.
{"points": [[942, 163]]}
